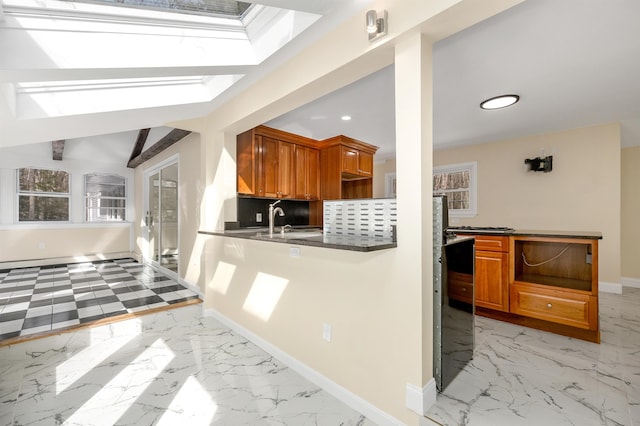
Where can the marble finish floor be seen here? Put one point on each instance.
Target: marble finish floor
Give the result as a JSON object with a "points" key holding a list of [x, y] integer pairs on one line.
{"points": [[521, 376], [168, 368]]}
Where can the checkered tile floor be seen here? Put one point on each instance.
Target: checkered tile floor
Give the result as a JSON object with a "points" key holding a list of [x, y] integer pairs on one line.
{"points": [[39, 299]]}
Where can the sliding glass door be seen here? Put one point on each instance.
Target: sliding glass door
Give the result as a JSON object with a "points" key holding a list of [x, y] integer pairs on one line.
{"points": [[161, 219]]}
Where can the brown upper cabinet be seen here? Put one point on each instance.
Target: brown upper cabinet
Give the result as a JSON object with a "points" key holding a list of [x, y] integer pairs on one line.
{"points": [[307, 173], [346, 168], [276, 164], [276, 176], [356, 163]]}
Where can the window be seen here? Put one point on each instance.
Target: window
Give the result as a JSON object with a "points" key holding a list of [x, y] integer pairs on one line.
{"points": [[105, 198], [458, 183], [43, 195], [200, 7]]}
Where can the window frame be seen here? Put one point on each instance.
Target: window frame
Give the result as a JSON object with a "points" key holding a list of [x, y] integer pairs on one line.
{"points": [[20, 193], [472, 168], [86, 198]]}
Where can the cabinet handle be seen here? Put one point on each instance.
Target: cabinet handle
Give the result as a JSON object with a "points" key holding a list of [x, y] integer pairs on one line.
{"points": [[549, 305], [464, 289]]}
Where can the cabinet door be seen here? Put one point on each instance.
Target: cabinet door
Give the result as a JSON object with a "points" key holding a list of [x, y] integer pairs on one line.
{"points": [[492, 274], [276, 171], [285, 170], [313, 175], [248, 153], [365, 164], [269, 168], [350, 160], [306, 173]]}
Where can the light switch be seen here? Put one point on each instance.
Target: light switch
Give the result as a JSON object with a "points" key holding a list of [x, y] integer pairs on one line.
{"points": [[326, 332]]}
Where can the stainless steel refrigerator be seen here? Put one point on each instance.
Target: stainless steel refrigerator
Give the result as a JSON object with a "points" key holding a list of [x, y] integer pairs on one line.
{"points": [[453, 298]]}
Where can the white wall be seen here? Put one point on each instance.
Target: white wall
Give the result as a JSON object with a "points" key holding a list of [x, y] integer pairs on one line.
{"points": [[25, 241], [380, 301]]}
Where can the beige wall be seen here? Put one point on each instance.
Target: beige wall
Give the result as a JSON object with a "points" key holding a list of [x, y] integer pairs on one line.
{"points": [[379, 303], [631, 212], [39, 242], [358, 294], [582, 193], [190, 194], [379, 178]]}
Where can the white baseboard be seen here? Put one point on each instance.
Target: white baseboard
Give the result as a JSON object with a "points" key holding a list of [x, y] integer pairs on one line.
{"points": [[62, 260], [369, 410], [421, 400], [630, 282], [606, 287]]}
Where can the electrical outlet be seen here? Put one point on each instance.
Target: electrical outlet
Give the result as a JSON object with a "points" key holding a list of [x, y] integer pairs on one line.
{"points": [[326, 332], [258, 217], [41, 245], [294, 251]]}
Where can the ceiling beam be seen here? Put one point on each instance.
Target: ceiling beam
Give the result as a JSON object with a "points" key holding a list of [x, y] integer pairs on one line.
{"points": [[140, 141], [57, 148], [172, 137]]}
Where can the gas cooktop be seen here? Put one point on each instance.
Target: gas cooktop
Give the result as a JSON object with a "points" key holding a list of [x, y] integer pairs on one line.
{"points": [[481, 229]]}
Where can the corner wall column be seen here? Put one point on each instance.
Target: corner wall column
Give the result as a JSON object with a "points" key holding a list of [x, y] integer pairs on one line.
{"points": [[414, 154]]}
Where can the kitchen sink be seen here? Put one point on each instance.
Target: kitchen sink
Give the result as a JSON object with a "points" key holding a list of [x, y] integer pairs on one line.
{"points": [[310, 233]]}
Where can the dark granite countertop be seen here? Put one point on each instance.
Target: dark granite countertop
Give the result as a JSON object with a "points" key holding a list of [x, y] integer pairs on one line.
{"points": [[587, 235], [307, 236]]}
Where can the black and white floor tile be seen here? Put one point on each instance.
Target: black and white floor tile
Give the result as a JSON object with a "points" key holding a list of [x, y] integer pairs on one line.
{"points": [[40, 299]]}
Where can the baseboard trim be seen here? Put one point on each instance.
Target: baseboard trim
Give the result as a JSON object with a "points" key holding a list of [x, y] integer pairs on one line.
{"points": [[630, 282], [606, 287], [64, 260], [359, 404], [421, 400]]}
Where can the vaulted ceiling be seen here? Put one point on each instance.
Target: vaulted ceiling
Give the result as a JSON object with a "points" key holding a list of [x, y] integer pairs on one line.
{"points": [[574, 64]]}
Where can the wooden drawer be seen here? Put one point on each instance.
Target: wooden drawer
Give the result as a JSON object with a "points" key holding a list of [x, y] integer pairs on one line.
{"points": [[460, 286], [576, 310], [491, 243]]}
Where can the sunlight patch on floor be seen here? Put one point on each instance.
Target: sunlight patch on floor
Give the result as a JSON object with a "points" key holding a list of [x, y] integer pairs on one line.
{"points": [[68, 372], [121, 392], [192, 405]]}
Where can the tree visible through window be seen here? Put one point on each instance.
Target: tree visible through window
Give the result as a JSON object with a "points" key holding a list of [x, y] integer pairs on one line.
{"points": [[458, 183], [105, 197], [43, 195]]}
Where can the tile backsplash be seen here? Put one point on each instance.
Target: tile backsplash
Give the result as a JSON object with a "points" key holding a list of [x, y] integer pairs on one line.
{"points": [[367, 217], [296, 212]]}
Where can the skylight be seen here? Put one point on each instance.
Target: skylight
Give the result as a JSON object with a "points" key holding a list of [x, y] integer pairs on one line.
{"points": [[227, 8], [94, 56]]}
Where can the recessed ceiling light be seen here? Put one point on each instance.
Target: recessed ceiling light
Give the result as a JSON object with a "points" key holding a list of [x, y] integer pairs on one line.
{"points": [[345, 118], [499, 102]]}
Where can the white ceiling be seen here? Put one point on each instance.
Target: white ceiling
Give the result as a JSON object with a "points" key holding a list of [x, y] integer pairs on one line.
{"points": [[574, 63], [137, 51]]}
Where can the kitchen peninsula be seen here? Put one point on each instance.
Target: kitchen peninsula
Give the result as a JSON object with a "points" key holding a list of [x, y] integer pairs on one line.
{"points": [[541, 279]]}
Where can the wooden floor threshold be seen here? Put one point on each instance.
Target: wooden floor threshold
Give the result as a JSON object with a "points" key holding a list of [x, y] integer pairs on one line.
{"points": [[103, 321]]}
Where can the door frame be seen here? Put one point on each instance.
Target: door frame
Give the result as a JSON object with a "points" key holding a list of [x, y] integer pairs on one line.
{"points": [[156, 168]]}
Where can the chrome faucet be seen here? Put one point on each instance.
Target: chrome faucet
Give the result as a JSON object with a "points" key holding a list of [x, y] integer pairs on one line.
{"points": [[272, 213]]}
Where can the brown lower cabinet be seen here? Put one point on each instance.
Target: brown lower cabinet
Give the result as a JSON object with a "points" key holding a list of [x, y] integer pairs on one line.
{"points": [[541, 282], [492, 272]]}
